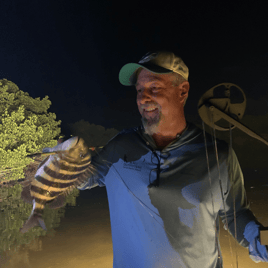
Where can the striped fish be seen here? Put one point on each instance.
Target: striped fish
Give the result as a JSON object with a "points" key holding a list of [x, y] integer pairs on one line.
{"points": [[56, 176]]}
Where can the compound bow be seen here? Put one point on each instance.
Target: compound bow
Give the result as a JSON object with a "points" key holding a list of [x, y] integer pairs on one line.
{"points": [[227, 102]]}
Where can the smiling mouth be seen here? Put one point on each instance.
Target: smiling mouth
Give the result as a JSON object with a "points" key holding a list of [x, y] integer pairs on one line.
{"points": [[150, 111]]}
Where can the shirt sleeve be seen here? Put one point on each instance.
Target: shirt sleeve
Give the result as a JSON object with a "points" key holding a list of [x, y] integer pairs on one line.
{"points": [[245, 222], [235, 197]]}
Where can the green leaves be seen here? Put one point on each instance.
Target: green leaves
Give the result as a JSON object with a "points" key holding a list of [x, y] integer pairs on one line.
{"points": [[25, 128]]}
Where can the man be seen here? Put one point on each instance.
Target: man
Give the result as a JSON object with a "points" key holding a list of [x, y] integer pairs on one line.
{"points": [[164, 206]]}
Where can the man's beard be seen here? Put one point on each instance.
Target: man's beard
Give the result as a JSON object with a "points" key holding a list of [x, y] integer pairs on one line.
{"points": [[151, 124]]}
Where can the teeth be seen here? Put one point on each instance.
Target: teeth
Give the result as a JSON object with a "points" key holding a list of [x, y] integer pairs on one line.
{"points": [[150, 109]]}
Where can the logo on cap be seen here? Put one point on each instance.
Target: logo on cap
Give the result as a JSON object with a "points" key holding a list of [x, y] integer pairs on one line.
{"points": [[148, 57]]}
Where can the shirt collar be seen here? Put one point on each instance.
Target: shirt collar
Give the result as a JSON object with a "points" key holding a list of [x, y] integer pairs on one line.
{"points": [[150, 139]]}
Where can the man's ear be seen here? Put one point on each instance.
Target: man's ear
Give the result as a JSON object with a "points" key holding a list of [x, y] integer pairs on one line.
{"points": [[184, 87]]}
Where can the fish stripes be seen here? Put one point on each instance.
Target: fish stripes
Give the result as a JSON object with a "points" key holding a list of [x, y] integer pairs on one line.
{"points": [[56, 176]]}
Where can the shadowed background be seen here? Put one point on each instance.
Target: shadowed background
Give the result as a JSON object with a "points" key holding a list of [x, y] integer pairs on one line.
{"points": [[72, 51]]}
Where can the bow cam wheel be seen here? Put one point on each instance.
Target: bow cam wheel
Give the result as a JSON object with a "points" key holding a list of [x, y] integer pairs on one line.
{"points": [[227, 97]]}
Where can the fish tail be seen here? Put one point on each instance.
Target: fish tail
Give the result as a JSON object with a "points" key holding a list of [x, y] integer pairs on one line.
{"points": [[34, 220]]}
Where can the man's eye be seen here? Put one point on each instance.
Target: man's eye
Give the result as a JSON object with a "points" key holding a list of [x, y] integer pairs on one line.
{"points": [[153, 88]]}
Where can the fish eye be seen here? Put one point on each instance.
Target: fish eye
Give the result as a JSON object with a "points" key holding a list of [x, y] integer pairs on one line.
{"points": [[81, 155]]}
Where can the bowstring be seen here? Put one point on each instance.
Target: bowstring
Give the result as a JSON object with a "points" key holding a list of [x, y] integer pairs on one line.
{"points": [[209, 177], [216, 151], [230, 128]]}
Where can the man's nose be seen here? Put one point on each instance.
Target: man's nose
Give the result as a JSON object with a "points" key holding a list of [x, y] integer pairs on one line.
{"points": [[145, 97]]}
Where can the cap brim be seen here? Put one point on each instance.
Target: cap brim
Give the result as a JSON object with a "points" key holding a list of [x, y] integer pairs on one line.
{"points": [[127, 73]]}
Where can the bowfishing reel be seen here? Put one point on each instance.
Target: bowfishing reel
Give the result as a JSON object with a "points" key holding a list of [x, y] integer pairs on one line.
{"points": [[224, 104]]}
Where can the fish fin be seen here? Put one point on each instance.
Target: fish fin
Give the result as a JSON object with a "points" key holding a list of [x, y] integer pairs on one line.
{"points": [[34, 220], [69, 190], [57, 202], [26, 194], [25, 183], [89, 172], [43, 162]]}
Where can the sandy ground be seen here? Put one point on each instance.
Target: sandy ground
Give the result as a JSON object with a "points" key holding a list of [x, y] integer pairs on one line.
{"points": [[84, 237]]}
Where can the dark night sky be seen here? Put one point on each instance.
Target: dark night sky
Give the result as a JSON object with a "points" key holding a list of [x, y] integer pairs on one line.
{"points": [[73, 51]]}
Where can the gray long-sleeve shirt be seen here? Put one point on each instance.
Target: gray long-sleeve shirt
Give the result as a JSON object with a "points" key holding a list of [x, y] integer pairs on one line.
{"points": [[177, 223]]}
